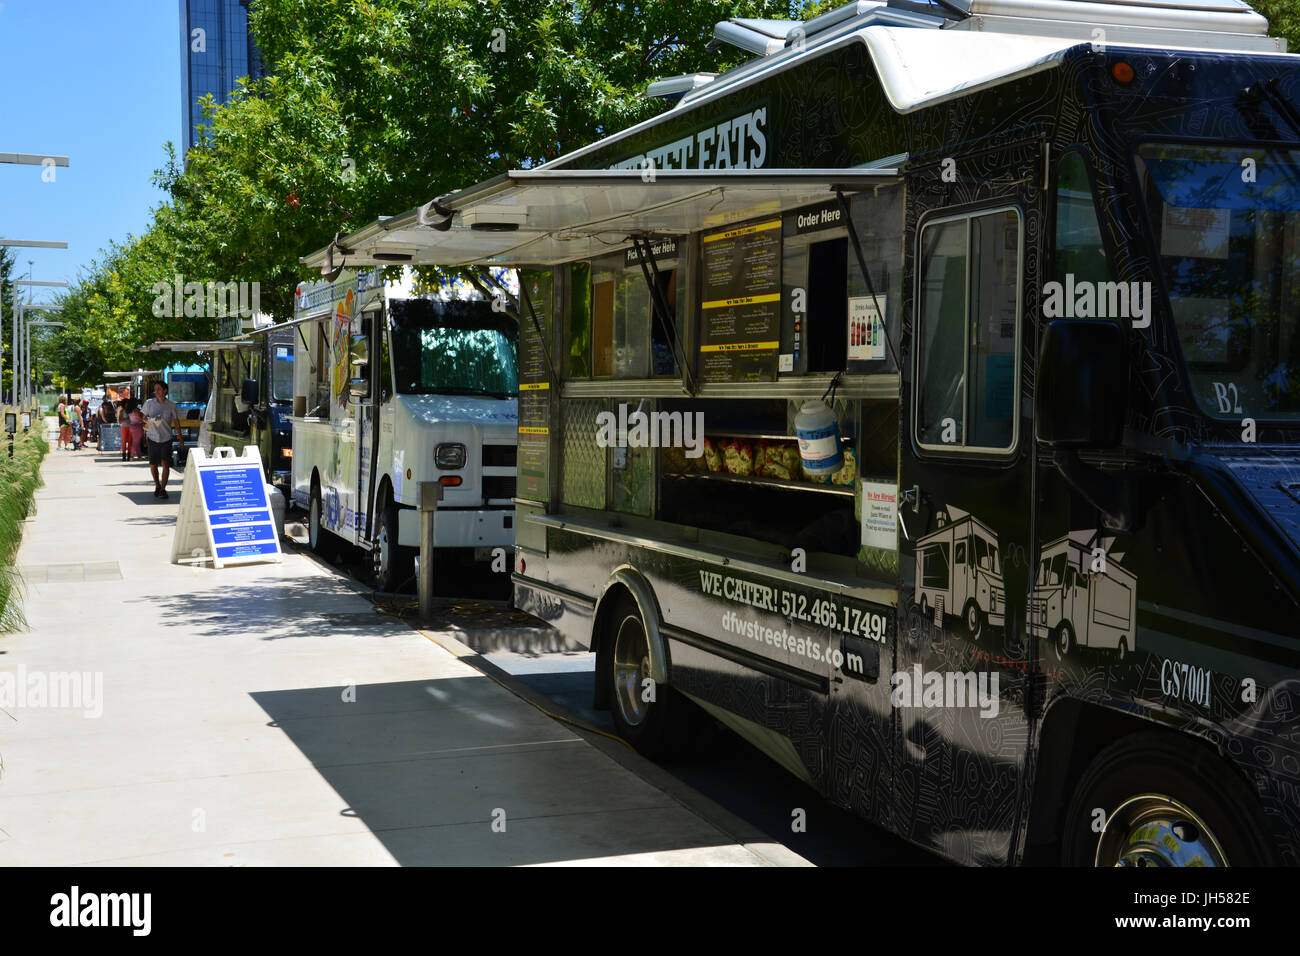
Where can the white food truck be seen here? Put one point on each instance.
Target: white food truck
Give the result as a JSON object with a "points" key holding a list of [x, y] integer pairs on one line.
{"points": [[393, 389]]}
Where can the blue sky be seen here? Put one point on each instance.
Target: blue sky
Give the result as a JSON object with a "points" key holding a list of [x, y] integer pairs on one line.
{"points": [[97, 81]]}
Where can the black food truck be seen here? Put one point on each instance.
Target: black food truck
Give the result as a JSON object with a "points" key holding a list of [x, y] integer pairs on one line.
{"points": [[921, 400]]}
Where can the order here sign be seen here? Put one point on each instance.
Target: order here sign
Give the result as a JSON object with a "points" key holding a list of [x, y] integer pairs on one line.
{"points": [[225, 516]]}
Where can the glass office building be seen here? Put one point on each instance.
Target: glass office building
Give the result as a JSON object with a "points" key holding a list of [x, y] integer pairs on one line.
{"points": [[216, 50]]}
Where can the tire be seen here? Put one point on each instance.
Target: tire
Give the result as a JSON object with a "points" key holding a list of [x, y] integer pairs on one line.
{"points": [[1122, 651], [655, 728], [393, 565], [1167, 802], [973, 618], [1063, 640], [925, 608], [315, 533]]}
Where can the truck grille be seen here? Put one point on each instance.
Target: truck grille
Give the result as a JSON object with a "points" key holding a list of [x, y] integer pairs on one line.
{"points": [[500, 456], [498, 486]]}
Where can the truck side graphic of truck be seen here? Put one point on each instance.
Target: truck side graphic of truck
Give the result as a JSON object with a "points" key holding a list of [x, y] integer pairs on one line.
{"points": [[1082, 598], [959, 572]]}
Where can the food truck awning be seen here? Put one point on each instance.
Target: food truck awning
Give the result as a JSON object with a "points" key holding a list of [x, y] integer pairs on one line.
{"points": [[213, 345], [551, 216]]}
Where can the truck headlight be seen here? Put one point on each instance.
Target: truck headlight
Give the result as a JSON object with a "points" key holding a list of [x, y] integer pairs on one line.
{"points": [[449, 455]]}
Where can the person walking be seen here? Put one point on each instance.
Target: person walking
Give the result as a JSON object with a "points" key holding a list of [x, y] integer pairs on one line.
{"points": [[164, 428]]}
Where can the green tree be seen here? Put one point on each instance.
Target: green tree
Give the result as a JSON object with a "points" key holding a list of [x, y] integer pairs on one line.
{"points": [[372, 108], [1283, 20]]}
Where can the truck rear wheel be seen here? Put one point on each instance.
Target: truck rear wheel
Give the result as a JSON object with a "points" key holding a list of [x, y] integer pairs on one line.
{"points": [[1166, 802], [391, 562], [649, 716]]}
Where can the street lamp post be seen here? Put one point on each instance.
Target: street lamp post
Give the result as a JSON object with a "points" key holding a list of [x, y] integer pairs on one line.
{"points": [[27, 377], [14, 343], [24, 364], [28, 159]]}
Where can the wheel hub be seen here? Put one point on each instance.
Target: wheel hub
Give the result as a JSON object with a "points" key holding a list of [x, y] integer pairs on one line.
{"points": [[631, 667], [1155, 830]]}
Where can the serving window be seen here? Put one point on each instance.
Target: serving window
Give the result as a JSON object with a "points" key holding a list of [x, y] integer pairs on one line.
{"points": [[614, 329], [772, 301]]}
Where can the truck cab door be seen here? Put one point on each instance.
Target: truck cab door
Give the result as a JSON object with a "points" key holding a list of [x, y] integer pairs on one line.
{"points": [[961, 666]]}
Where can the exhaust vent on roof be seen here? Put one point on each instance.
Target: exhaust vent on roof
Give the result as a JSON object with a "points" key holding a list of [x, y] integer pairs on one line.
{"points": [[673, 87], [754, 36]]}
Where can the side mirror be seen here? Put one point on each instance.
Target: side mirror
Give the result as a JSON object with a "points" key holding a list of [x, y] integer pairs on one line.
{"points": [[359, 384], [249, 392], [1082, 381]]}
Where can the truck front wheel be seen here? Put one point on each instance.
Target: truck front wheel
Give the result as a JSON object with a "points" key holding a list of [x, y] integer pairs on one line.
{"points": [[392, 564], [1158, 800], [315, 533], [1063, 640], [650, 717]]}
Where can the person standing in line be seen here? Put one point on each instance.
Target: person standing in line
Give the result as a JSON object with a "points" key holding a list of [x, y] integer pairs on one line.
{"points": [[105, 416], [125, 422], [84, 422], [72, 411], [61, 413], [164, 427], [136, 419]]}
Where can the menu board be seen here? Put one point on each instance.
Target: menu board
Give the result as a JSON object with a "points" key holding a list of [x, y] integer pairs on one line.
{"points": [[225, 515], [741, 304], [534, 384]]}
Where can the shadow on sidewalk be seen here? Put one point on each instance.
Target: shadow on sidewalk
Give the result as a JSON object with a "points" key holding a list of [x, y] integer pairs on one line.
{"points": [[429, 765], [158, 519], [272, 609], [147, 498]]}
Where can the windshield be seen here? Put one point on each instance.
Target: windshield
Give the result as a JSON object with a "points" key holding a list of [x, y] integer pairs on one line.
{"points": [[1227, 228], [282, 373], [184, 391], [431, 358]]}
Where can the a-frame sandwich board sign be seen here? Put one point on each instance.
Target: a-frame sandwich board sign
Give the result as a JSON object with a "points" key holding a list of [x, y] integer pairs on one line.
{"points": [[225, 515]]}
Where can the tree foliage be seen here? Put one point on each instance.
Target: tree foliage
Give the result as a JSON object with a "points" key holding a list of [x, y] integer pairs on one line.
{"points": [[372, 107]]}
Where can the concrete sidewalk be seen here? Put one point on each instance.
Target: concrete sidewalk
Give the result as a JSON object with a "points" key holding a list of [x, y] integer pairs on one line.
{"points": [[266, 715]]}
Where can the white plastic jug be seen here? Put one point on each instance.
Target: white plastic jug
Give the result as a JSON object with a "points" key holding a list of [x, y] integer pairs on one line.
{"points": [[819, 439]]}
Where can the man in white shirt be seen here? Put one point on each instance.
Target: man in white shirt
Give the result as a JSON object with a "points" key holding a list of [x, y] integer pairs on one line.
{"points": [[161, 414]]}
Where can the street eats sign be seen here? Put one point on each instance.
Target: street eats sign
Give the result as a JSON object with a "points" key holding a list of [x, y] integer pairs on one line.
{"points": [[736, 143]]}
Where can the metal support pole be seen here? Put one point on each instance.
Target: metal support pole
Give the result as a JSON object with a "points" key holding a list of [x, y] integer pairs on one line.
{"points": [[27, 369], [430, 495]]}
